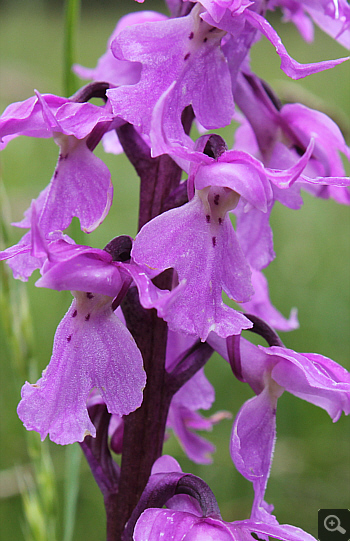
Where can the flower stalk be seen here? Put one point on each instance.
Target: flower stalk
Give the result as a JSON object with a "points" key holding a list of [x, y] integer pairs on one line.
{"points": [[147, 313]]}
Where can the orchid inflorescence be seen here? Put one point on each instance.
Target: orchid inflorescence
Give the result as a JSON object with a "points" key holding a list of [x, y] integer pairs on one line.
{"points": [[128, 357]]}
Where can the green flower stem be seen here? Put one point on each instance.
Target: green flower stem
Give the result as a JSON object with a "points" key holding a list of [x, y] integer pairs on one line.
{"points": [[71, 20]]}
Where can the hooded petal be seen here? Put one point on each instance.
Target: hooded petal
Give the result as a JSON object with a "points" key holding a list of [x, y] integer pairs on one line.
{"points": [[177, 525], [156, 524], [314, 378], [85, 272], [26, 117], [44, 114]]}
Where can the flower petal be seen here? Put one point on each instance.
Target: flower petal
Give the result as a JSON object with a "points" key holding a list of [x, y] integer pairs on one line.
{"points": [[92, 348]]}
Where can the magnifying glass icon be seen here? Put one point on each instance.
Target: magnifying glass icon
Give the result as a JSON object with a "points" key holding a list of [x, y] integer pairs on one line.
{"points": [[332, 524]]}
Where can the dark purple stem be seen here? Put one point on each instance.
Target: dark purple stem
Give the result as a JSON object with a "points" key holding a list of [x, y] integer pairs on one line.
{"points": [[144, 428], [193, 360], [234, 355], [96, 451], [159, 176], [177, 198], [263, 329], [92, 90]]}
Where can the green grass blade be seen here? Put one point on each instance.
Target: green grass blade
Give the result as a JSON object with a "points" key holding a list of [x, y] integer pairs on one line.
{"points": [[71, 489]]}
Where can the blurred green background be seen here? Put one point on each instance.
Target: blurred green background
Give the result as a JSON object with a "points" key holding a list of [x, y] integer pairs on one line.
{"points": [[311, 468]]}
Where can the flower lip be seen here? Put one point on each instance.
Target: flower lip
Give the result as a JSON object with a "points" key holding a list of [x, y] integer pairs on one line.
{"points": [[222, 175]]}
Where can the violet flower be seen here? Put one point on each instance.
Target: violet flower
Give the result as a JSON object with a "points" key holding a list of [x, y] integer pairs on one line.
{"points": [[271, 371], [195, 517], [197, 67], [198, 239], [232, 168], [92, 348], [81, 181], [117, 72], [206, 55], [196, 62], [278, 134], [207, 259], [81, 185]]}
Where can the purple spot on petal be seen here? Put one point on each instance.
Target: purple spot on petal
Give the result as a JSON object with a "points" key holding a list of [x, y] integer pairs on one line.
{"points": [[212, 29], [220, 221], [87, 317], [205, 40], [62, 157], [274, 411], [208, 218], [187, 56], [69, 338], [55, 174], [216, 199], [213, 241], [75, 313], [89, 295], [191, 36]]}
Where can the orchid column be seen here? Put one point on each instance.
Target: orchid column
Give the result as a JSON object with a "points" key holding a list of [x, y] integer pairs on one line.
{"points": [[147, 313]]}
